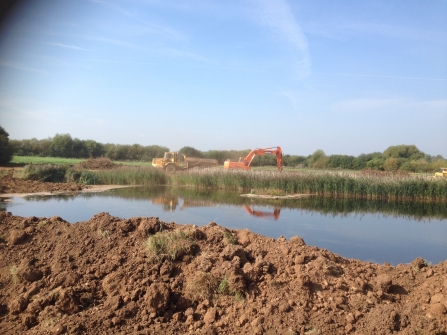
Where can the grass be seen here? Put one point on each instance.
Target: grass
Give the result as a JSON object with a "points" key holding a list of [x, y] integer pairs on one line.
{"points": [[171, 245], [44, 173], [41, 224], [202, 286], [131, 175], [225, 288], [229, 238], [23, 160], [103, 233], [14, 271], [124, 175]]}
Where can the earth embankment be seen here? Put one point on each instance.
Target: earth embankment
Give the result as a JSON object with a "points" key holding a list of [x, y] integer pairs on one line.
{"points": [[122, 276]]}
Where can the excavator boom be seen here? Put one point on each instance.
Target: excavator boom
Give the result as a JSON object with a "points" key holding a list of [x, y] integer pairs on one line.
{"points": [[245, 163]]}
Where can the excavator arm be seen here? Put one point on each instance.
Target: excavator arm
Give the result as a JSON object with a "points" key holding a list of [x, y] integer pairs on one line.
{"points": [[261, 214], [245, 163]]}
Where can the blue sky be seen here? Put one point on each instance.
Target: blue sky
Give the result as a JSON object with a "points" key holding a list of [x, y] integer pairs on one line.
{"points": [[347, 77]]}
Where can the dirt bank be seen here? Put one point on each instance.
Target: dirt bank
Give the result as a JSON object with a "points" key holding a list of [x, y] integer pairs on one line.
{"points": [[10, 185], [14, 187], [99, 277]]}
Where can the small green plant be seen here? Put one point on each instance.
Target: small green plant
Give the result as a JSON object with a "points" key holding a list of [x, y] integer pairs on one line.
{"points": [[313, 331], [225, 288], [41, 224], [171, 244], [229, 238], [103, 233], [48, 322], [201, 286], [14, 271]]}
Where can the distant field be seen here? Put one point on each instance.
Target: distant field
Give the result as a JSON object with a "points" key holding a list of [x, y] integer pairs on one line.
{"points": [[68, 161], [44, 160]]}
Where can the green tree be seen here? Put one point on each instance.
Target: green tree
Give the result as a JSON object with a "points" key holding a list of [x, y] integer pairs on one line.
{"points": [[341, 161], [5, 149], [375, 164], [79, 150], [62, 146], [391, 164], [94, 149], [292, 160], [319, 154], [419, 165], [360, 162], [403, 151]]}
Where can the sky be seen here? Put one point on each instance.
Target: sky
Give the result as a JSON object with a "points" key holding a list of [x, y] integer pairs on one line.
{"points": [[344, 76]]}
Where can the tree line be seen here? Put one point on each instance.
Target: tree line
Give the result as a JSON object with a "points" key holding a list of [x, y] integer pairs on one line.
{"points": [[399, 157]]}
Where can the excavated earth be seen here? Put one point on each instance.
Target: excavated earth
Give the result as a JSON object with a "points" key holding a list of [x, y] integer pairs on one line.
{"points": [[144, 276], [11, 185]]}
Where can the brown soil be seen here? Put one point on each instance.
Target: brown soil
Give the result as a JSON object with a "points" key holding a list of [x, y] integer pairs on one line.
{"points": [[98, 277], [8, 184], [98, 164]]}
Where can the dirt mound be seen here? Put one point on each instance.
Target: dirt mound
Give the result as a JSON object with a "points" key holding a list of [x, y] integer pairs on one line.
{"points": [[145, 276], [8, 184], [97, 164]]}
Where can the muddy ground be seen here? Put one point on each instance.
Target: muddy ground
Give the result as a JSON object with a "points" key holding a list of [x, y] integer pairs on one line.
{"points": [[11, 185], [122, 276]]}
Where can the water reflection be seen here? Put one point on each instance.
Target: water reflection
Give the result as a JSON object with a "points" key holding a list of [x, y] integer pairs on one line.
{"points": [[263, 214], [169, 198], [172, 199]]}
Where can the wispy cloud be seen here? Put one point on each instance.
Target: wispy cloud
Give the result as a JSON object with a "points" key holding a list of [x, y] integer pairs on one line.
{"points": [[279, 17], [18, 66], [67, 46], [143, 26]]}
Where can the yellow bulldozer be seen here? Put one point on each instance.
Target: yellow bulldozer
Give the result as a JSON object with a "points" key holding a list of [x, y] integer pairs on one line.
{"points": [[173, 161], [442, 173]]}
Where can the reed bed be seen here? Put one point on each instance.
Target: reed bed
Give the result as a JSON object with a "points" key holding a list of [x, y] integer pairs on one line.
{"points": [[123, 175], [44, 173], [131, 175], [320, 183]]}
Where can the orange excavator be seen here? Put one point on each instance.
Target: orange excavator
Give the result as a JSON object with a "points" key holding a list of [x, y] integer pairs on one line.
{"points": [[244, 164], [261, 214]]}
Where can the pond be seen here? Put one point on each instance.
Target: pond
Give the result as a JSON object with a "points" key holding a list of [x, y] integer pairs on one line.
{"points": [[374, 231]]}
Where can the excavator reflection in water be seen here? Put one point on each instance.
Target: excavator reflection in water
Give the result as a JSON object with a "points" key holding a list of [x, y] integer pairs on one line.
{"points": [[170, 202], [262, 214]]}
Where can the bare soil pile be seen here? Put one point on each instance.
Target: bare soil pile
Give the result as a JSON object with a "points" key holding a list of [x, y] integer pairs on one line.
{"points": [[100, 277], [8, 184], [97, 164]]}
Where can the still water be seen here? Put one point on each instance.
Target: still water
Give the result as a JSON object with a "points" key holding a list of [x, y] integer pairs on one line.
{"points": [[375, 231]]}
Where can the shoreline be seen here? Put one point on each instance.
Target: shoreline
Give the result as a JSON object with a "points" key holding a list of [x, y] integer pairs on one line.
{"points": [[90, 189]]}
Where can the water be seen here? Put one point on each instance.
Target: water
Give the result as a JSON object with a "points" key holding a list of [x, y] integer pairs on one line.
{"points": [[393, 232]]}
